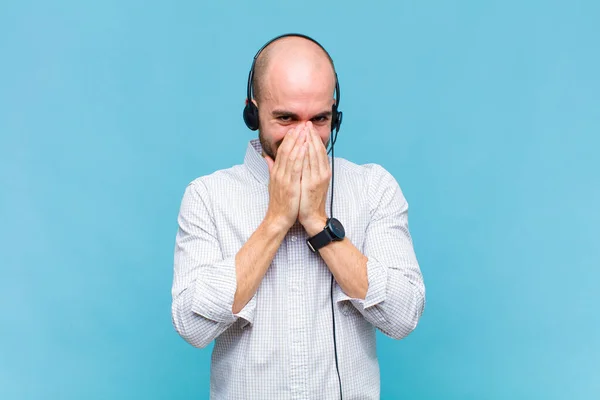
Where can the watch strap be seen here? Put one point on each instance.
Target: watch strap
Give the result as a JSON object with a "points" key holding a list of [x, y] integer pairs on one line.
{"points": [[320, 240]]}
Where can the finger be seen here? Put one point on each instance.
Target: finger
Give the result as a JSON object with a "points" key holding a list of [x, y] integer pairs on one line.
{"points": [[321, 152], [287, 143], [319, 142], [306, 162], [277, 161], [297, 171], [285, 148], [270, 163], [295, 153], [313, 157]]}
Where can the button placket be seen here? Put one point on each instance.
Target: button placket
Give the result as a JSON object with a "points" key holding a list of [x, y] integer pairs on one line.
{"points": [[298, 367]]}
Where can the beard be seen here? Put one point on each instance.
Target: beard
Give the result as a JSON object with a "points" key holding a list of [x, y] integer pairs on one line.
{"points": [[268, 148]]}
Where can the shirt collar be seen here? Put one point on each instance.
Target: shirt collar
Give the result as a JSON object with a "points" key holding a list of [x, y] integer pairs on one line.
{"points": [[255, 162]]}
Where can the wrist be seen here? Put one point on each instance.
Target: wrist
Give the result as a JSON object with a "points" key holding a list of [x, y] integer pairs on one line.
{"points": [[276, 226], [314, 225]]}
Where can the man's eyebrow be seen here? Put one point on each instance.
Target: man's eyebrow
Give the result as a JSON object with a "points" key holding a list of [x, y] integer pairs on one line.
{"points": [[323, 114], [283, 113]]}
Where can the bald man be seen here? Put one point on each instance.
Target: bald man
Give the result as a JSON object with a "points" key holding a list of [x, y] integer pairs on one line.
{"points": [[246, 274]]}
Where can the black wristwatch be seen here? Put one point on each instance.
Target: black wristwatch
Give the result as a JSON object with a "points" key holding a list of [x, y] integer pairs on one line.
{"points": [[333, 232]]}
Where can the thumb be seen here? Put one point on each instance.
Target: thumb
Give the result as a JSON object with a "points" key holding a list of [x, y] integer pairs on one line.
{"points": [[270, 163]]}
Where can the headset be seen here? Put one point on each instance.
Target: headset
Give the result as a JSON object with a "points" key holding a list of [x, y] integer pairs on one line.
{"points": [[251, 119], [251, 110]]}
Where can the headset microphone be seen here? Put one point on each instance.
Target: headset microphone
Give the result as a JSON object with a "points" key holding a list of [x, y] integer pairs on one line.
{"points": [[250, 115]]}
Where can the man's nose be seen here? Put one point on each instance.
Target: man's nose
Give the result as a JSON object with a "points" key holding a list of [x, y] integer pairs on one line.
{"points": [[301, 124]]}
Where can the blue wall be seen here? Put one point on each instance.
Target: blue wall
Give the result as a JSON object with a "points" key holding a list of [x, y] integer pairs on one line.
{"points": [[487, 113]]}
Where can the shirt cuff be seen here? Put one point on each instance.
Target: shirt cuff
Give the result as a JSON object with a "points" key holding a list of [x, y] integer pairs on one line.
{"points": [[215, 291], [376, 293]]}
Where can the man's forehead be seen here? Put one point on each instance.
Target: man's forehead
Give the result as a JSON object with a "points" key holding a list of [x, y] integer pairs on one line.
{"points": [[299, 82]]}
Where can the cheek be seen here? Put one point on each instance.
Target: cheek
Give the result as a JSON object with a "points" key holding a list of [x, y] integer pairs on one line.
{"points": [[279, 135], [275, 136], [324, 134]]}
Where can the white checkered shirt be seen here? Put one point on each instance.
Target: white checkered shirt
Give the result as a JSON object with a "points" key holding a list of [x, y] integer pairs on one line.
{"points": [[280, 345]]}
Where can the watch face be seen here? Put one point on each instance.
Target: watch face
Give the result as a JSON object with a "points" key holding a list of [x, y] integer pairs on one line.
{"points": [[336, 228]]}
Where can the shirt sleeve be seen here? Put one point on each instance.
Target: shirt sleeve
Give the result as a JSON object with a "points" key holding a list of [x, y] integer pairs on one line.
{"points": [[204, 282], [395, 298]]}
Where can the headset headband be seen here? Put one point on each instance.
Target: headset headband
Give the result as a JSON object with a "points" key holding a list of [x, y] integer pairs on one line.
{"points": [[249, 93], [250, 113]]}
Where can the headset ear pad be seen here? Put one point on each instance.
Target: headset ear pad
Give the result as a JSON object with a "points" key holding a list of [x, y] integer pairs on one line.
{"points": [[336, 119], [251, 115]]}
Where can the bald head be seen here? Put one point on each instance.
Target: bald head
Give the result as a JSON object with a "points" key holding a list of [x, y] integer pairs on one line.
{"points": [[294, 83], [291, 60]]}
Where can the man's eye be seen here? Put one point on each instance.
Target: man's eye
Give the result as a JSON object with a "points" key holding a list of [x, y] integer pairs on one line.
{"points": [[320, 119], [285, 118]]}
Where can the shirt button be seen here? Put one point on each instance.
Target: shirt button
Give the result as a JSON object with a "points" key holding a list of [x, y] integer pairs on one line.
{"points": [[293, 238]]}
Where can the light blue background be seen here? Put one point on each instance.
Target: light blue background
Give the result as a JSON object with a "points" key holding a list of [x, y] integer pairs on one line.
{"points": [[486, 112]]}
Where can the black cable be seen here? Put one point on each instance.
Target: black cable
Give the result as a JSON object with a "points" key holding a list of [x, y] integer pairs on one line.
{"points": [[337, 368], [334, 341], [251, 120], [332, 173]]}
